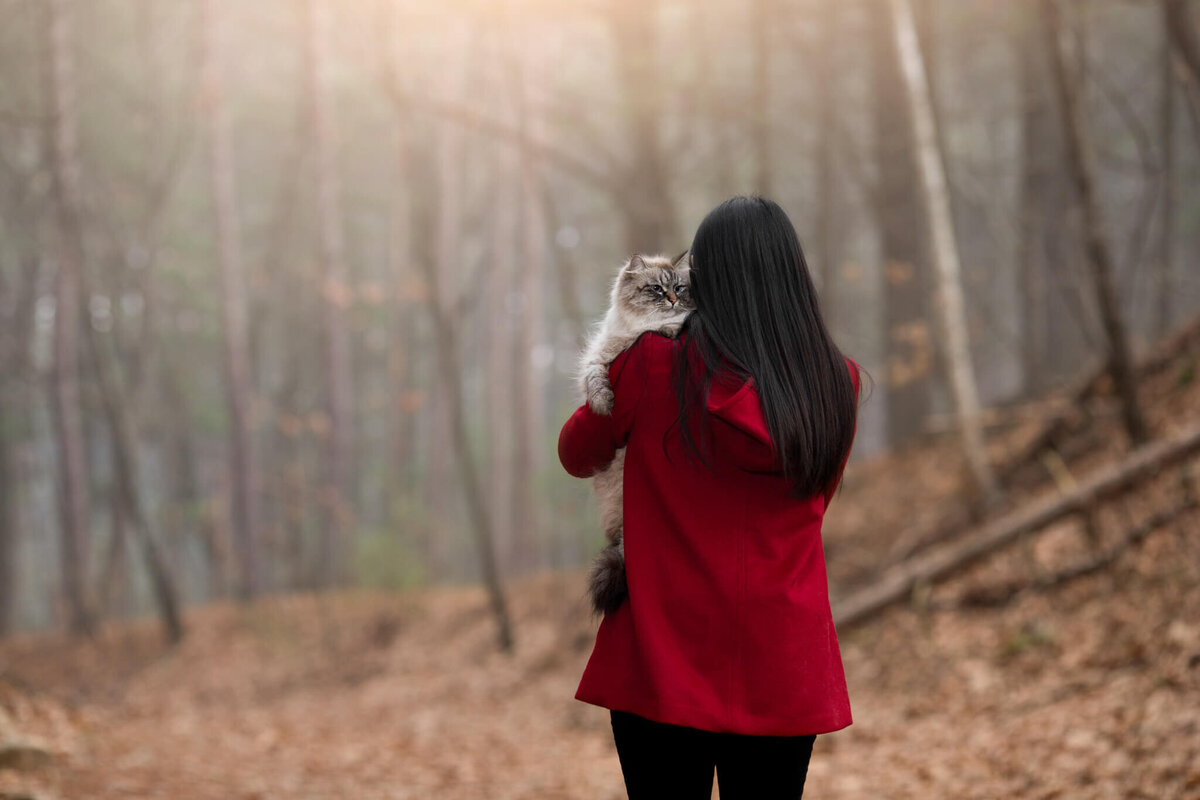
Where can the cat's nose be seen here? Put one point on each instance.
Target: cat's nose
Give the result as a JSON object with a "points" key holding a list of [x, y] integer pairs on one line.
{"points": [[671, 296]]}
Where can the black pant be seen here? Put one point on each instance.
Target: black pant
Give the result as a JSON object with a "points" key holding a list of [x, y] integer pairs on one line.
{"points": [[669, 762]]}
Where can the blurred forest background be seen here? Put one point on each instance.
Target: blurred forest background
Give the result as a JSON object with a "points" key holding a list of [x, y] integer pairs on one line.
{"points": [[291, 294], [305, 248]]}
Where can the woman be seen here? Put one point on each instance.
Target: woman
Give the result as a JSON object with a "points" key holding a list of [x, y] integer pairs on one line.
{"points": [[724, 654]]}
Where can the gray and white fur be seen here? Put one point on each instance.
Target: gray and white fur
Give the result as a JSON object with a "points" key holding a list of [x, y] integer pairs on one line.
{"points": [[651, 293]]}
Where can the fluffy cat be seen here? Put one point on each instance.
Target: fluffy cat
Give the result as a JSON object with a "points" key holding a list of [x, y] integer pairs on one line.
{"points": [[650, 294]]}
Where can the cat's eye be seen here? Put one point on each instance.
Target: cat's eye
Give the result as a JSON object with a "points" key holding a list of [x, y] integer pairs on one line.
{"points": [[680, 289], [656, 289]]}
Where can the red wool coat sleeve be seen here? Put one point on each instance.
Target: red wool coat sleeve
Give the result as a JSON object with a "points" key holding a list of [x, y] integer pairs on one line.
{"points": [[589, 441]]}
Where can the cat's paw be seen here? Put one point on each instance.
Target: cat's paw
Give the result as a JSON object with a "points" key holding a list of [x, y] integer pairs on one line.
{"points": [[601, 400]]}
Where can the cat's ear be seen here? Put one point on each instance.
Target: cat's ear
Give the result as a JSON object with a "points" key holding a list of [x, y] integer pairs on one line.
{"points": [[684, 261], [632, 267]]}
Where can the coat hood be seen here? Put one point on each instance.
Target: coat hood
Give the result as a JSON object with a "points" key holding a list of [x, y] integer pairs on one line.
{"points": [[741, 426]]}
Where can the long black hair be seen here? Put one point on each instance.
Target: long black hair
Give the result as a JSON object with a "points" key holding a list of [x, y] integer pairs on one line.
{"points": [[757, 317]]}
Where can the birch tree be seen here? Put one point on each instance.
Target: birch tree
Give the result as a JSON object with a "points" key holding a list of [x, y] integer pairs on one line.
{"points": [[936, 201]]}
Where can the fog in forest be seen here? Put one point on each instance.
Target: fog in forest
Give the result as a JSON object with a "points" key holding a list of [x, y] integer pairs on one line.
{"points": [[298, 175], [292, 295], [292, 292]]}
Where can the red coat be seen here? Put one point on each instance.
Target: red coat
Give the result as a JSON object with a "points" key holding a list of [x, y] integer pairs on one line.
{"points": [[727, 626]]}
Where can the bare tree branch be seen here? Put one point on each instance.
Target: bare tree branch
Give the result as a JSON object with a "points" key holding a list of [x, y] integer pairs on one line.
{"points": [[577, 167]]}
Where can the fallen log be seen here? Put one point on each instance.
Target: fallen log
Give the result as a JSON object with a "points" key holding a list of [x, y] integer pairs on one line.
{"points": [[936, 564], [1059, 432], [1091, 384], [994, 596]]}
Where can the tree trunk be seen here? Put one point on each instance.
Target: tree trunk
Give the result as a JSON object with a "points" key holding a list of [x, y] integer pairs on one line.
{"points": [[1039, 154], [566, 269], [450, 379], [925, 20], [112, 587], [646, 206], [503, 317], [500, 408], [1182, 32], [935, 194], [125, 468], [336, 297], [8, 534], [185, 514], [909, 344], [527, 395], [450, 374], [825, 75], [67, 414], [402, 252], [1165, 271], [1053, 342], [505, 321], [297, 488], [712, 102], [243, 474], [16, 334], [761, 22], [287, 495], [403, 347], [440, 271], [8, 511], [1096, 236], [445, 231]]}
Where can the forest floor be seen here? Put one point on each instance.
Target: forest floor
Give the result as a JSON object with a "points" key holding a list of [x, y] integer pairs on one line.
{"points": [[1087, 688]]}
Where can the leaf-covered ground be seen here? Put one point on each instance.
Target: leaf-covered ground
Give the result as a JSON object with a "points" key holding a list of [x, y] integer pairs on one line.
{"points": [[1092, 690], [1083, 689]]}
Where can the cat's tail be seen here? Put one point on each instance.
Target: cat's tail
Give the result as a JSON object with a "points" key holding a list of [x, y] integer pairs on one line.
{"points": [[606, 580]]}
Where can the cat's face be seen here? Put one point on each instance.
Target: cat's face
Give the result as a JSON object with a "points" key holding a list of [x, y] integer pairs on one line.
{"points": [[654, 286]]}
